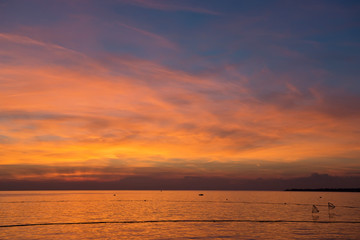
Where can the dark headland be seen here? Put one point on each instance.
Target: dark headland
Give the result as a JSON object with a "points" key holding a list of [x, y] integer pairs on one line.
{"points": [[324, 189]]}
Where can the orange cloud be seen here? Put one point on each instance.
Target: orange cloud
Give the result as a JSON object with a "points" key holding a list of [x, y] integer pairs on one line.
{"points": [[63, 108]]}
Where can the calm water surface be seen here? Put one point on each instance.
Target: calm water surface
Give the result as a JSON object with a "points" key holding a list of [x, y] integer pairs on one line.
{"points": [[178, 215]]}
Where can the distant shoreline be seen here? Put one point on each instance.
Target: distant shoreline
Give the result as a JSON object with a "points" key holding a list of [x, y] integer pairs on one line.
{"points": [[324, 189]]}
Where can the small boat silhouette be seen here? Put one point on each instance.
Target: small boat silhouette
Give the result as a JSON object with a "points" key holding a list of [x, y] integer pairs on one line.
{"points": [[330, 205], [315, 209], [200, 194]]}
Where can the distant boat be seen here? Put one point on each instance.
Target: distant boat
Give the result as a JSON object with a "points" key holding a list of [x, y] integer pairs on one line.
{"points": [[330, 206], [200, 194], [315, 209]]}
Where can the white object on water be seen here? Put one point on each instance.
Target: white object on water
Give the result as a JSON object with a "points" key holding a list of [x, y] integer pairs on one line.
{"points": [[315, 209]]}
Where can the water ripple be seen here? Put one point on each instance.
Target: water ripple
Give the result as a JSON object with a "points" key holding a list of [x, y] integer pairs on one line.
{"points": [[173, 201], [178, 221]]}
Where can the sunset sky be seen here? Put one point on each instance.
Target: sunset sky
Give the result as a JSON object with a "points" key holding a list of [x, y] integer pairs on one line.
{"points": [[102, 90]]}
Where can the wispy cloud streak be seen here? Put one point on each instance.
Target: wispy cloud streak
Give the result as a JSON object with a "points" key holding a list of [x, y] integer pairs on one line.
{"points": [[163, 41], [168, 6]]}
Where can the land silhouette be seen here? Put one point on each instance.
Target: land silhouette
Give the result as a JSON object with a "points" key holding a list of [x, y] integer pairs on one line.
{"points": [[312, 182]]}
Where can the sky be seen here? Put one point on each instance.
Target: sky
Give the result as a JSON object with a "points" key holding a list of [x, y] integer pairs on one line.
{"points": [[107, 90]]}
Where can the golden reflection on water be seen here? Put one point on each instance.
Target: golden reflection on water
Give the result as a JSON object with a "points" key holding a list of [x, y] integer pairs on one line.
{"points": [[252, 209]]}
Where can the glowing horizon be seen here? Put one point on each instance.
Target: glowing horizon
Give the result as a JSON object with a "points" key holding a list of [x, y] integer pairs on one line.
{"points": [[96, 91]]}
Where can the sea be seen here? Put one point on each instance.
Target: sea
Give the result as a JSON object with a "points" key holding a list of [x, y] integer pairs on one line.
{"points": [[178, 215]]}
